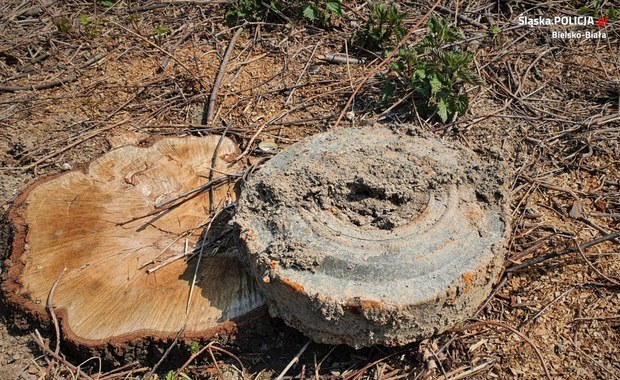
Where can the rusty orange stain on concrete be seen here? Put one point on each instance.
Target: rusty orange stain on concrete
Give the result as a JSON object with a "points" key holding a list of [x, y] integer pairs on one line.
{"points": [[363, 304], [251, 235], [292, 284], [468, 279], [371, 304], [474, 214]]}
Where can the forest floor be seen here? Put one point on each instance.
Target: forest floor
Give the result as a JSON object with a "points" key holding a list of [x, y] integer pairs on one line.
{"points": [[78, 78]]}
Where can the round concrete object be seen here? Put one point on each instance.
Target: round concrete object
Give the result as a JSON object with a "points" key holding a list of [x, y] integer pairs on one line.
{"points": [[374, 236]]}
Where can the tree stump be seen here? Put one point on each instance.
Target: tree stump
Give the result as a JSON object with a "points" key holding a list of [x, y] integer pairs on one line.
{"points": [[370, 236], [100, 227]]}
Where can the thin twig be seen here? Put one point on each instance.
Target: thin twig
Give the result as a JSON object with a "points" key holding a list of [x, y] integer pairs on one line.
{"points": [[36, 336], [461, 17], [595, 269], [43, 86], [515, 331], [549, 256], [166, 353], [209, 347], [213, 166], [50, 308], [229, 354], [202, 247], [169, 260], [209, 110], [164, 4], [471, 371], [153, 45], [546, 307], [193, 357], [174, 47], [607, 370], [370, 365], [290, 95], [71, 145], [200, 189], [294, 360]]}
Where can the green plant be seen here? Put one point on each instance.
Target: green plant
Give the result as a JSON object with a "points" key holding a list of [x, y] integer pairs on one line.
{"points": [[494, 30], [107, 3], [384, 24], [85, 20], [319, 12], [160, 30], [437, 74], [89, 26], [194, 347], [170, 375], [322, 12], [595, 9], [248, 10], [64, 25]]}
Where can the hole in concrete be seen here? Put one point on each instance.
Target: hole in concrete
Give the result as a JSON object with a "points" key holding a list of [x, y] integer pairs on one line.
{"points": [[374, 236]]}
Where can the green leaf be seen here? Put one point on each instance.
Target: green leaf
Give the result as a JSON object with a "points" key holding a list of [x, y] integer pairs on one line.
{"points": [[442, 110], [334, 7], [309, 12], [85, 20], [435, 84], [462, 104], [63, 25], [419, 73], [107, 3], [230, 17], [161, 30], [387, 91], [584, 10]]}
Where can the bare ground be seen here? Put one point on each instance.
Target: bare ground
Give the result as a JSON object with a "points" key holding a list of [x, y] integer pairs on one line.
{"points": [[549, 106]]}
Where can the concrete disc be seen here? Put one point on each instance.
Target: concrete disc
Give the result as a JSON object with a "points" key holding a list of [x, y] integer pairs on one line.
{"points": [[373, 236]]}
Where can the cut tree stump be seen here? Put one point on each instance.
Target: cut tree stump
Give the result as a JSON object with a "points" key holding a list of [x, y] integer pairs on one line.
{"points": [[372, 236], [101, 224]]}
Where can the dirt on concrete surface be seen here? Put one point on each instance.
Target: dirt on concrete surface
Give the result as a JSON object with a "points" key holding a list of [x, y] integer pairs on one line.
{"points": [[372, 186], [372, 236]]}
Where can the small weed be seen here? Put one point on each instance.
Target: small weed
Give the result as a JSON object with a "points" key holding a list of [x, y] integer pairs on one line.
{"points": [[171, 376], [194, 347], [383, 26], [436, 74], [595, 9], [90, 27], [494, 30], [248, 10], [64, 25], [108, 3], [161, 30], [321, 13], [85, 20]]}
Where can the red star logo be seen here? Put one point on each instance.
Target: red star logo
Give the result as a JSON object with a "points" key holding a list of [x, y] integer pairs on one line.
{"points": [[601, 22]]}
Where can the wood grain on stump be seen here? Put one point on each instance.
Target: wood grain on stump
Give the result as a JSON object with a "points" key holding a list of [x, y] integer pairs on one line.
{"points": [[102, 225]]}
